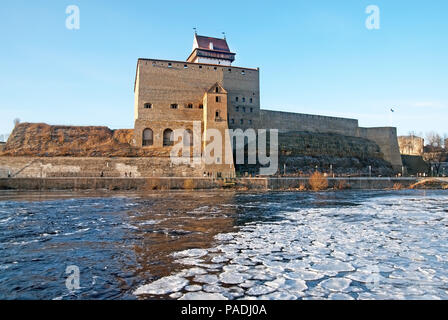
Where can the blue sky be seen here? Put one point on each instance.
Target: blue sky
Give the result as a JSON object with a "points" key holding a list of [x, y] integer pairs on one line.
{"points": [[314, 57]]}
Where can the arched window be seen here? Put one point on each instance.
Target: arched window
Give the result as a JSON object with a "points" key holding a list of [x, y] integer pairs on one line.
{"points": [[168, 137], [188, 138], [148, 137]]}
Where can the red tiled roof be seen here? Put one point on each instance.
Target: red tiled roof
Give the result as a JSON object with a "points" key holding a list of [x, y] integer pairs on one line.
{"points": [[218, 44]]}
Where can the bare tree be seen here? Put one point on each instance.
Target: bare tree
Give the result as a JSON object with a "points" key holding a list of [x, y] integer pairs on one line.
{"points": [[434, 140]]}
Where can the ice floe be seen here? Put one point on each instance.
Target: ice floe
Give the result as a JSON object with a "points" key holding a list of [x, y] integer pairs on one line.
{"points": [[162, 286], [335, 284], [200, 295]]}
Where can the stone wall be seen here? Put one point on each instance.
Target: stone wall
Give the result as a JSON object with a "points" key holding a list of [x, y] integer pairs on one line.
{"points": [[288, 121], [303, 152], [384, 137], [153, 184], [411, 145], [94, 166]]}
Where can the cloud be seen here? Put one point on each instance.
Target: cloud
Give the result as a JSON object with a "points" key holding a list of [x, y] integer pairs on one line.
{"points": [[428, 104]]}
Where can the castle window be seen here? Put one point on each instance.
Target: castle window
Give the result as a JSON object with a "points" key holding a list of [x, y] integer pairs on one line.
{"points": [[230, 70], [200, 67], [185, 66], [188, 138], [147, 106], [217, 99], [147, 138], [189, 106], [236, 99], [169, 65], [174, 106], [217, 114], [241, 121], [216, 89], [251, 100], [168, 137], [251, 109], [250, 121], [243, 72], [215, 68], [244, 109], [153, 64], [237, 109], [232, 121], [201, 106], [244, 99]]}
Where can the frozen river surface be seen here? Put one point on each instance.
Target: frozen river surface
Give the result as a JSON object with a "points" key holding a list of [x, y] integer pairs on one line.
{"points": [[225, 245]]}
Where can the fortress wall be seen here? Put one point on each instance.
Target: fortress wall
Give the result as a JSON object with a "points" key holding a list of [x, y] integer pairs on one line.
{"points": [[386, 138], [35, 167], [288, 121]]}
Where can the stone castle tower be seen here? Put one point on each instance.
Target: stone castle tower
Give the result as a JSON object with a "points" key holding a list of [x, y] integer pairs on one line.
{"points": [[173, 95]]}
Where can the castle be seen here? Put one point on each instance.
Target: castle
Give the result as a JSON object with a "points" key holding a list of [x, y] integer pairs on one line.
{"points": [[206, 87], [204, 94]]}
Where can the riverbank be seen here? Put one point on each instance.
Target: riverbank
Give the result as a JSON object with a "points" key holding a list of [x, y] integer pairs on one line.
{"points": [[184, 183]]}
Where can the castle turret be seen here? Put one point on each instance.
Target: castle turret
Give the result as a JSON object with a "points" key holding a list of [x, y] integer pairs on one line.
{"points": [[211, 50]]}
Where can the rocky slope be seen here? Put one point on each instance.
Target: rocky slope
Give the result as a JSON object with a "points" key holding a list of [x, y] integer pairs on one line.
{"points": [[43, 140]]}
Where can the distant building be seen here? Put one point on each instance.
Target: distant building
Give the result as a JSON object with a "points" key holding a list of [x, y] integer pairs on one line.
{"points": [[411, 145]]}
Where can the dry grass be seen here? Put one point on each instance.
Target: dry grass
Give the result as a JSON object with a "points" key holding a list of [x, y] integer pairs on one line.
{"points": [[341, 185], [397, 186], [318, 181], [430, 183]]}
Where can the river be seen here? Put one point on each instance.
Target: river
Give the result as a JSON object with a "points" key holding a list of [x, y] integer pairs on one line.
{"points": [[224, 245]]}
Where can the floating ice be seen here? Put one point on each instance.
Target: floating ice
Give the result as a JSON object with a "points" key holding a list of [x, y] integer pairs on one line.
{"points": [[294, 285], [200, 295], [206, 278], [219, 259], [340, 296], [231, 277], [164, 285], [224, 237], [176, 295], [304, 275], [192, 272], [335, 284], [279, 295], [193, 288], [190, 253], [259, 290], [332, 266]]}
